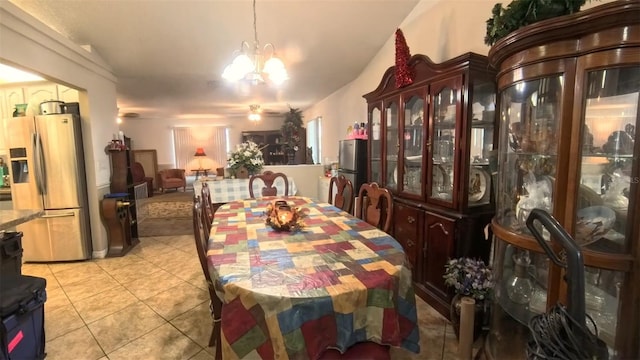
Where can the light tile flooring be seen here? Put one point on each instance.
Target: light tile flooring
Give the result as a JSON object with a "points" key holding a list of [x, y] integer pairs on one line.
{"points": [[153, 304]]}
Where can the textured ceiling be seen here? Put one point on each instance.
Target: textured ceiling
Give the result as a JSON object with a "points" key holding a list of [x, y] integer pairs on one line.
{"points": [[168, 55]]}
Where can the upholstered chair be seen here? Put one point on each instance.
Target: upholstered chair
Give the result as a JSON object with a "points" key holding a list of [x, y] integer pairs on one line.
{"points": [[137, 172], [173, 179]]}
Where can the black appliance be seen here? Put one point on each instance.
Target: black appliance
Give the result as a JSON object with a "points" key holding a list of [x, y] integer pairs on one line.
{"points": [[352, 161]]}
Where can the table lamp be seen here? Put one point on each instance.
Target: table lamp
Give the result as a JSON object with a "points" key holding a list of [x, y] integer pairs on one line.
{"points": [[199, 154]]}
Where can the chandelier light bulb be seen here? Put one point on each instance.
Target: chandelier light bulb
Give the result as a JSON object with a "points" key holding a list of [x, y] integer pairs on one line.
{"points": [[254, 112]]}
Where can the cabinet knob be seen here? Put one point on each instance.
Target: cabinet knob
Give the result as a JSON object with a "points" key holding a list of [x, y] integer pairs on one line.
{"points": [[410, 243], [411, 219]]}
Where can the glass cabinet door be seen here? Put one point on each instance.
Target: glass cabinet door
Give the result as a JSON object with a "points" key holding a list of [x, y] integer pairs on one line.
{"points": [[445, 117], [606, 169], [481, 143], [375, 141], [529, 122], [392, 145], [412, 143]]}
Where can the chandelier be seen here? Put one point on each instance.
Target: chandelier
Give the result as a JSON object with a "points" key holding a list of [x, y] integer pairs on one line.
{"points": [[254, 113], [250, 64]]}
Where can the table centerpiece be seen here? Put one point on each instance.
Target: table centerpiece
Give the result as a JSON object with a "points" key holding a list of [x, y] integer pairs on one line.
{"points": [[281, 216]]}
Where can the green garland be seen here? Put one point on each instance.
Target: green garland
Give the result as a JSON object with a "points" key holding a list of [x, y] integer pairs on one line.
{"points": [[524, 12]]}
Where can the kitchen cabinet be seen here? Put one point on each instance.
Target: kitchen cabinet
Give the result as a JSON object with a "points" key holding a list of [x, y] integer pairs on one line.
{"points": [[569, 91], [33, 94], [12, 95], [431, 144], [67, 94]]}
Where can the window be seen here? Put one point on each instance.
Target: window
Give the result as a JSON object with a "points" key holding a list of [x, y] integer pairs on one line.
{"points": [[314, 138], [213, 139]]}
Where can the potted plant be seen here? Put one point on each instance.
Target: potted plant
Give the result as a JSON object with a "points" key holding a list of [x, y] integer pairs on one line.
{"points": [[245, 160], [292, 133], [472, 278]]}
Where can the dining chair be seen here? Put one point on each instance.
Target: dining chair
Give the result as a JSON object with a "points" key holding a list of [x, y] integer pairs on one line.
{"points": [[207, 207], [269, 177], [345, 196], [375, 206], [215, 304]]}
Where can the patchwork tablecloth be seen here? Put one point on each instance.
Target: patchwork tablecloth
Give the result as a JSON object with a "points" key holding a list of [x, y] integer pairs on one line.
{"points": [[227, 190], [292, 295]]}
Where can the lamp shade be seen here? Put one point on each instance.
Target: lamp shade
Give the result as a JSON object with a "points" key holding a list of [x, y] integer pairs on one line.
{"points": [[200, 152]]}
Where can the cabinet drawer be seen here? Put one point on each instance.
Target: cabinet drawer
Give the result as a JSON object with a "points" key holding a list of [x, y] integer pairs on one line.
{"points": [[407, 224]]}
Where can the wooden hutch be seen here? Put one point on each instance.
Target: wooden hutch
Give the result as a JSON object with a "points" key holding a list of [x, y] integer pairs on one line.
{"points": [[431, 144]]}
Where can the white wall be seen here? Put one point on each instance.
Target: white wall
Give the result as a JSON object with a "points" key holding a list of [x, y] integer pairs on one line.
{"points": [[157, 133], [28, 44], [439, 29]]}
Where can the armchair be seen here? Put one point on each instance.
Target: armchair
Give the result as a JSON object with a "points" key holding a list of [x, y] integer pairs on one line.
{"points": [[137, 172], [173, 179]]}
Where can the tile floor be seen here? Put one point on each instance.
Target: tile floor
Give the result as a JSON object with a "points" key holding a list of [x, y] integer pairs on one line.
{"points": [[153, 304]]}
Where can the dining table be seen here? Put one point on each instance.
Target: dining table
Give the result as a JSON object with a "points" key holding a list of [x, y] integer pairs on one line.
{"points": [[329, 284]]}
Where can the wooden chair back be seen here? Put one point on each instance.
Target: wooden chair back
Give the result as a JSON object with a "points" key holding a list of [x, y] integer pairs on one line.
{"points": [[375, 206], [345, 196], [201, 240], [207, 207], [268, 177]]}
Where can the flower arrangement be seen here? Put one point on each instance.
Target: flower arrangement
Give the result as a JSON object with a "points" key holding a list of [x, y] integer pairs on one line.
{"points": [[247, 155], [469, 277], [282, 217]]}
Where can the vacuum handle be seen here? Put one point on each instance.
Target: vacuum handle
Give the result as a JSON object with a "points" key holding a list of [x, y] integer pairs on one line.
{"points": [[574, 264]]}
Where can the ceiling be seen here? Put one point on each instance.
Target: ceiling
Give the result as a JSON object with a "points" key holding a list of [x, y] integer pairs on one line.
{"points": [[168, 55]]}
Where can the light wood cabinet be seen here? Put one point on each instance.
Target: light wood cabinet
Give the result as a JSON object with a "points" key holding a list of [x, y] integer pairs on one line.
{"points": [[430, 143], [33, 94], [569, 91]]}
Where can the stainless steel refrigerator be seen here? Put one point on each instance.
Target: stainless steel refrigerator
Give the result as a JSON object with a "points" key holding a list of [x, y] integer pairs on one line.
{"points": [[352, 161], [47, 172]]}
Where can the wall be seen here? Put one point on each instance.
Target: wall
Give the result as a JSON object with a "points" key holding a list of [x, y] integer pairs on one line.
{"points": [[440, 30], [28, 44], [157, 133]]}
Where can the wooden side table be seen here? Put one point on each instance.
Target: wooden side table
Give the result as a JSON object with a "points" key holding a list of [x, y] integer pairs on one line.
{"points": [[204, 172]]}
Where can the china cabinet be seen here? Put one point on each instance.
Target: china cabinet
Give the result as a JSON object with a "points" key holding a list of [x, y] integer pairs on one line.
{"points": [[568, 108], [431, 144], [273, 150]]}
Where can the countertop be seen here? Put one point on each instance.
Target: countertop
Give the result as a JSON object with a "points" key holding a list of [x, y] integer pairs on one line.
{"points": [[11, 218]]}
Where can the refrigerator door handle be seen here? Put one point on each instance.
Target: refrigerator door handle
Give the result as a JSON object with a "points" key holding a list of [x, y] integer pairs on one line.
{"points": [[57, 215], [36, 161], [41, 169]]}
